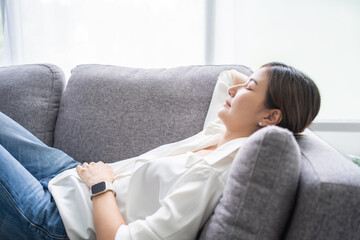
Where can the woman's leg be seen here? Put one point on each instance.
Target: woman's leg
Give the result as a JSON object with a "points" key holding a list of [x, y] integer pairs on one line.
{"points": [[27, 210], [41, 161]]}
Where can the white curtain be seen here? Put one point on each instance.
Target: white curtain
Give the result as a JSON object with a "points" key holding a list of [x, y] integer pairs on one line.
{"points": [[135, 33], [319, 37], [12, 48]]}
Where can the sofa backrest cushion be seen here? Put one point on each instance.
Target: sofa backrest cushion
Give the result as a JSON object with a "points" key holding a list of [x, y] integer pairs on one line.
{"points": [[260, 191], [30, 94], [111, 113], [328, 198]]}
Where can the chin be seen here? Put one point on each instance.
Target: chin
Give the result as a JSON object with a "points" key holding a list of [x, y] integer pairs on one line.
{"points": [[220, 114]]}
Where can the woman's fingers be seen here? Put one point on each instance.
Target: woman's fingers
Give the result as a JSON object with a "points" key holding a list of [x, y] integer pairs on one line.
{"points": [[85, 164], [92, 173]]}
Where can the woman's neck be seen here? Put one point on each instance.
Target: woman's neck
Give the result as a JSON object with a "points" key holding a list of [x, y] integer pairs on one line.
{"points": [[228, 136]]}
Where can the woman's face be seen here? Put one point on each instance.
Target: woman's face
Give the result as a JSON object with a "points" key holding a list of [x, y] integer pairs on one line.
{"points": [[244, 108]]}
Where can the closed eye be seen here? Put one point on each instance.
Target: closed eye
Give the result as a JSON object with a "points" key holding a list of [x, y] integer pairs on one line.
{"points": [[251, 85]]}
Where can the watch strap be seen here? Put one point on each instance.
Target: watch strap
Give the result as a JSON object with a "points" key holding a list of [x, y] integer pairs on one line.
{"points": [[105, 187]]}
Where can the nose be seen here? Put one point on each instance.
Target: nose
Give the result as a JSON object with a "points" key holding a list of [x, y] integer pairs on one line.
{"points": [[233, 89]]}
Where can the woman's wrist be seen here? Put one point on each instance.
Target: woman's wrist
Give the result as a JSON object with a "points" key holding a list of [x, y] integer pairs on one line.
{"points": [[101, 196], [102, 187]]}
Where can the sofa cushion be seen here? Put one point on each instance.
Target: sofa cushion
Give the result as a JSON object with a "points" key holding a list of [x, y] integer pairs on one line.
{"points": [[328, 201], [111, 113], [260, 191], [30, 94]]}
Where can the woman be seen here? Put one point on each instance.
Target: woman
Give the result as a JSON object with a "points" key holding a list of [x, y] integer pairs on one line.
{"points": [[166, 193]]}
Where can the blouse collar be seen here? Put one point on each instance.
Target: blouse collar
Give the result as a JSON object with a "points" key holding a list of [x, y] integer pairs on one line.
{"points": [[225, 150]]}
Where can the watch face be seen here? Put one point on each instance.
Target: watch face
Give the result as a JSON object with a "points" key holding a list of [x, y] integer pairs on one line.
{"points": [[99, 187]]}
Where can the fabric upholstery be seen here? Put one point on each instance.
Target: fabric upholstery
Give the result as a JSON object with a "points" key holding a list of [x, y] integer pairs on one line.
{"points": [[30, 94], [327, 205], [111, 113], [260, 190]]}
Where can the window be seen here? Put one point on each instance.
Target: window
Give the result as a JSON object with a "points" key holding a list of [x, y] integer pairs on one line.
{"points": [[319, 37], [141, 33]]}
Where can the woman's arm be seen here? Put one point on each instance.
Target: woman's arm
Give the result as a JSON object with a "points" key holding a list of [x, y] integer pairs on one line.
{"points": [[107, 217], [238, 77]]}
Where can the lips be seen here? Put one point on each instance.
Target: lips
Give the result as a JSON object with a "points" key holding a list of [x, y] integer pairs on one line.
{"points": [[227, 102]]}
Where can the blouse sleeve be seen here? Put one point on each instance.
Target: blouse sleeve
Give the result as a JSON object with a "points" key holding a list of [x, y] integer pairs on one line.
{"points": [[219, 96], [182, 212]]}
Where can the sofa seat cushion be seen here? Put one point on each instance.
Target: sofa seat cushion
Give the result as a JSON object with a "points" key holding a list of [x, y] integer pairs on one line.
{"points": [[260, 191], [30, 94], [111, 113]]}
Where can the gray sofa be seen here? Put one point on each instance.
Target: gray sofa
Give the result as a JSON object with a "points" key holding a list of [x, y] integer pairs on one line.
{"points": [[279, 186]]}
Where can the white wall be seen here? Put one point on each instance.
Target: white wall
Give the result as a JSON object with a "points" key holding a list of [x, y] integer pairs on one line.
{"points": [[345, 137]]}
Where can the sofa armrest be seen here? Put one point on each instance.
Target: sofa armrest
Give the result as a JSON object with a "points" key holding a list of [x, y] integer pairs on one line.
{"points": [[30, 94], [260, 190]]}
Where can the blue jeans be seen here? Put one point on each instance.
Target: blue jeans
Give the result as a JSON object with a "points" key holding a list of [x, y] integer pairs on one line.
{"points": [[27, 209]]}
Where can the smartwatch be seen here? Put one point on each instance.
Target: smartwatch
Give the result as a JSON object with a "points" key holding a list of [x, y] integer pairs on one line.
{"points": [[100, 188]]}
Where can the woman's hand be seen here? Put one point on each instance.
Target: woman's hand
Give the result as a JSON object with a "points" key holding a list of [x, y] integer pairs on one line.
{"points": [[238, 77], [95, 172]]}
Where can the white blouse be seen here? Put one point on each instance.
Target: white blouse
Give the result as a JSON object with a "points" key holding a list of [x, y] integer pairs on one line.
{"points": [[166, 193]]}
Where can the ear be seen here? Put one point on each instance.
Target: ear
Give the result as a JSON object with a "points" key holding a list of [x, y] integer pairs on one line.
{"points": [[273, 117]]}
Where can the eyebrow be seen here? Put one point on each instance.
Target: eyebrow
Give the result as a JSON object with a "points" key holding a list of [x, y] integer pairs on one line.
{"points": [[252, 79]]}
